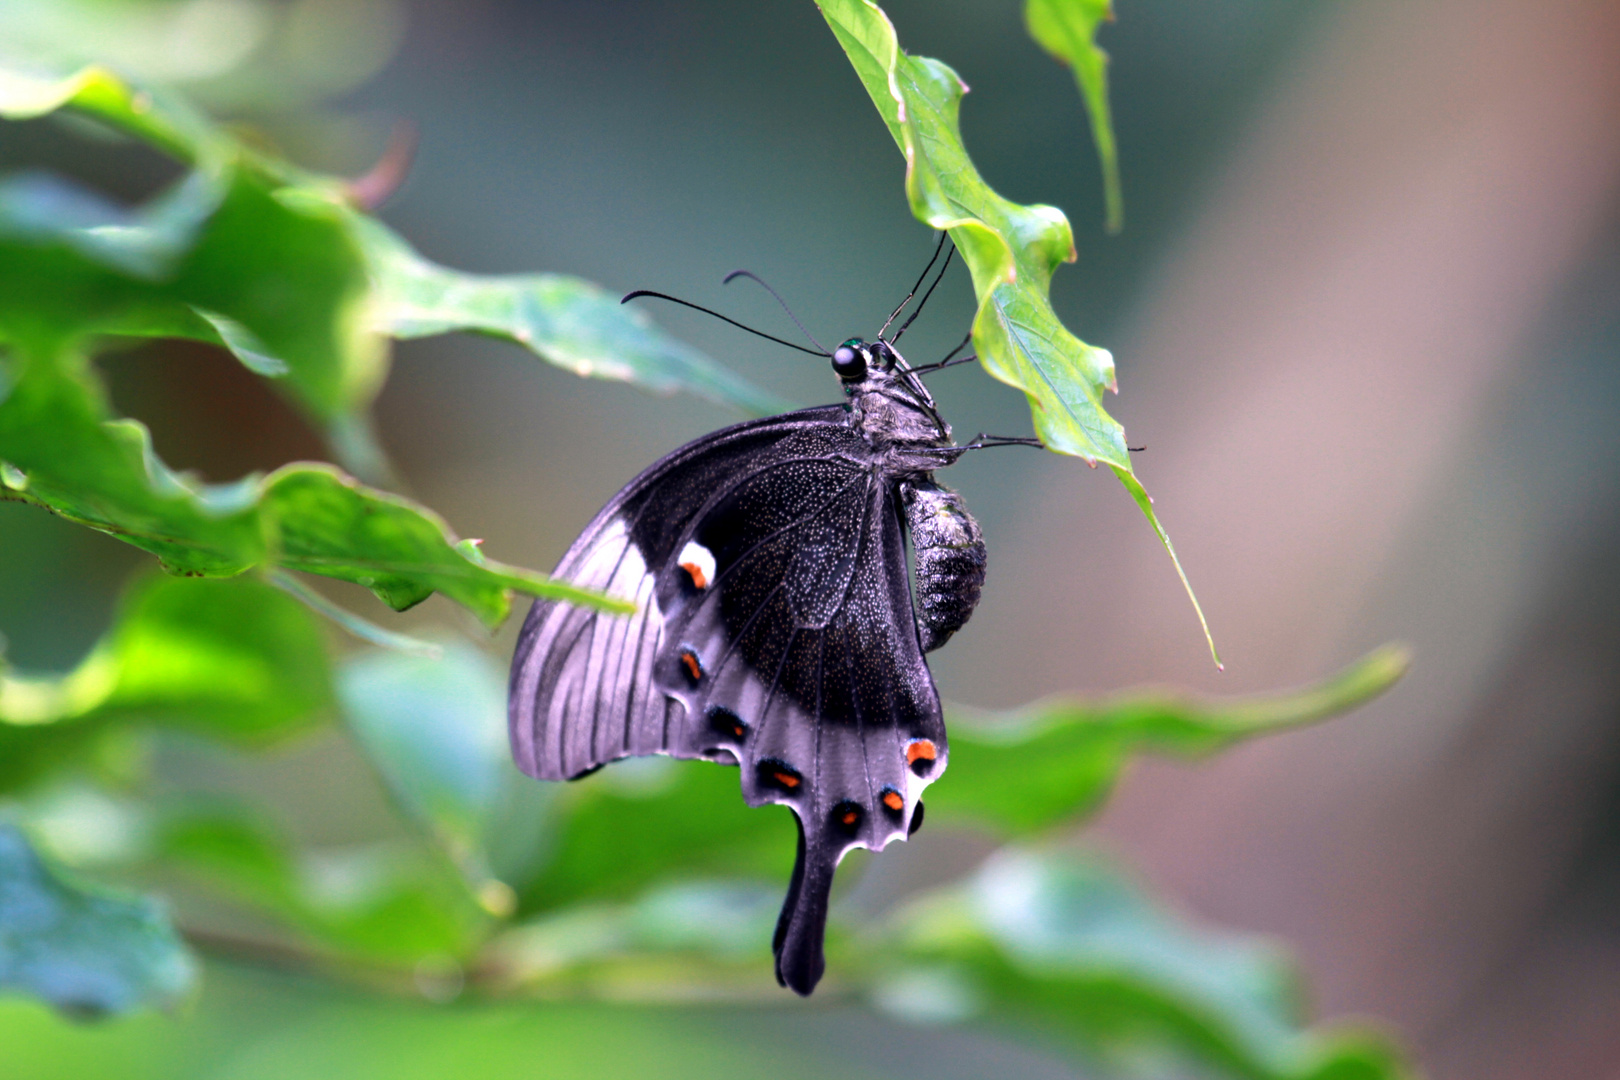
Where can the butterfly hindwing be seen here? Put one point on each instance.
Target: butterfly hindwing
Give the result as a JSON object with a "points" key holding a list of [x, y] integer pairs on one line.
{"points": [[774, 630]]}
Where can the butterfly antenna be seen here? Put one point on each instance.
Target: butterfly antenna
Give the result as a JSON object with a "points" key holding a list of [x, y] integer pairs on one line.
{"points": [[751, 276], [946, 265], [896, 314], [629, 296]]}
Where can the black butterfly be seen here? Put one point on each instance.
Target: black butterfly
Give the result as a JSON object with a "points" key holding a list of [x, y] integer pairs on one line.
{"points": [[776, 626]]}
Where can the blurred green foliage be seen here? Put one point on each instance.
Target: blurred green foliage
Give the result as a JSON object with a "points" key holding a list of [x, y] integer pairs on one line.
{"points": [[648, 881]]}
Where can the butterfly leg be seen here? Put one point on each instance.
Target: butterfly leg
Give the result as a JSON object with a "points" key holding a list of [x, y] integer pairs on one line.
{"points": [[981, 441]]}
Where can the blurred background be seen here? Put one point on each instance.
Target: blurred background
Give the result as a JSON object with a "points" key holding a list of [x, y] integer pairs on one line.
{"points": [[1366, 316]]}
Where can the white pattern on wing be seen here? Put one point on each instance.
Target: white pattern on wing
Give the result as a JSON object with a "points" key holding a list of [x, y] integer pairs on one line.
{"points": [[698, 562]]}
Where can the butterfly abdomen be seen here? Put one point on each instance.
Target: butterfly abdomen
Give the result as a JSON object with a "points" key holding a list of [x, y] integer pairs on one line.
{"points": [[949, 555]]}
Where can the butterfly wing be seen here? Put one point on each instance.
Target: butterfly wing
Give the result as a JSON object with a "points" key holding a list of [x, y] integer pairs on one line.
{"points": [[581, 689], [774, 629]]}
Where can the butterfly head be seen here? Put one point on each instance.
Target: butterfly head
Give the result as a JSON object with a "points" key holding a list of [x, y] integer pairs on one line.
{"points": [[890, 403]]}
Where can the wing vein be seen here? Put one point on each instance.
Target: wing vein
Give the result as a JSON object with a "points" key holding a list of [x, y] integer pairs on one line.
{"points": [[770, 695], [731, 646]]}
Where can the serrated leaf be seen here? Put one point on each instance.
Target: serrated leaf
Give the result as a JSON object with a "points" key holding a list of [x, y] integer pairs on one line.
{"points": [[1065, 945], [1010, 250], [1068, 30], [89, 952], [277, 265], [284, 273], [330, 524], [1051, 761], [54, 429], [564, 320], [308, 517]]}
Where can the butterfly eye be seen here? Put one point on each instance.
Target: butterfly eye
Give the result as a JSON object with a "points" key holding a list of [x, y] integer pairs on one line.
{"points": [[848, 362]]}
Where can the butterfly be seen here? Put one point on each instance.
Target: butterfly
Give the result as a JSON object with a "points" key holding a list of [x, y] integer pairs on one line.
{"points": [[777, 626]]}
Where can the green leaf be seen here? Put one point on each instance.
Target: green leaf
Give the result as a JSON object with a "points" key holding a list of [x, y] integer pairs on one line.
{"points": [[1066, 946], [89, 952], [224, 256], [94, 90], [678, 939], [1046, 763], [388, 903], [230, 659], [436, 732], [277, 265], [565, 320], [1068, 30], [637, 823], [327, 523], [1011, 252], [647, 820], [310, 517], [55, 431], [363, 629]]}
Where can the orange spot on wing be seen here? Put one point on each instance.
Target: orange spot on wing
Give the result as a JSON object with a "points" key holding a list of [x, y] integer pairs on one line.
{"points": [[893, 801], [693, 668], [786, 779], [696, 573], [922, 750], [850, 817]]}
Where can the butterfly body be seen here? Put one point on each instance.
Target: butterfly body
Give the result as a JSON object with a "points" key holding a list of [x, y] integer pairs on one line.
{"points": [[775, 624]]}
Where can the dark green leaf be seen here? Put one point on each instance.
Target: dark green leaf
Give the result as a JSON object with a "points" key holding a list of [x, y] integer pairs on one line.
{"points": [[1066, 946], [1011, 252], [1050, 761], [224, 256], [327, 523], [89, 952], [55, 431], [103, 474], [564, 320], [277, 265], [1068, 30]]}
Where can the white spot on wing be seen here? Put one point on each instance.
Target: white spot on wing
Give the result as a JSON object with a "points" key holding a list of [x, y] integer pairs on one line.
{"points": [[699, 562]]}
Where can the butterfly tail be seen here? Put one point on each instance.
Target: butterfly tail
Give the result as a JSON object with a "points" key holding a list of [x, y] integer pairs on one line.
{"points": [[802, 926]]}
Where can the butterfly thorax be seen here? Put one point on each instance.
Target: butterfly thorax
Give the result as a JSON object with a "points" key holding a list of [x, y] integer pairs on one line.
{"points": [[894, 414]]}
